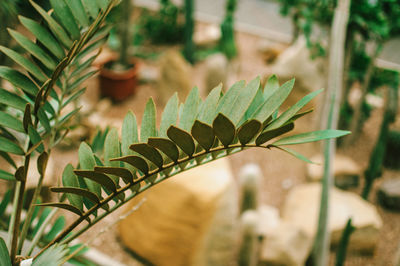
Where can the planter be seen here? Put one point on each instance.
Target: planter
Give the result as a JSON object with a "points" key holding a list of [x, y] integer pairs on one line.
{"points": [[118, 84]]}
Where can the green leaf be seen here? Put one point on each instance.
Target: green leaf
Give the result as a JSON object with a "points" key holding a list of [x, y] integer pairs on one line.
{"points": [[99, 178], [87, 162], [66, 18], [7, 157], [12, 100], [74, 97], [241, 104], [9, 146], [81, 79], [111, 148], [35, 138], [78, 11], [294, 153], [208, 109], [129, 133], [182, 139], [76, 192], [91, 7], [166, 146], [189, 111], [19, 80], [124, 173], [272, 103], [270, 134], [9, 121], [44, 36], [271, 86], [102, 4], [44, 120], [311, 136], [257, 101], [136, 162], [56, 228], [169, 116], [148, 121], [25, 63], [288, 114], [5, 202], [248, 131], [6, 175], [54, 255], [42, 162], [4, 256], [55, 28], [226, 102], [27, 119], [69, 179], [203, 134], [149, 153], [20, 174], [224, 129], [33, 49]]}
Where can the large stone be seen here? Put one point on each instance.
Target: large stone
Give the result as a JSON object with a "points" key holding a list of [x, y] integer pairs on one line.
{"points": [[216, 71], [389, 194], [296, 61], [175, 75], [207, 36], [283, 243], [190, 219], [345, 170], [301, 208]]}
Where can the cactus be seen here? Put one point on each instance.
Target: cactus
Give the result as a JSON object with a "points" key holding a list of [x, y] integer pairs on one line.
{"points": [[228, 45], [250, 179], [248, 253], [188, 50]]}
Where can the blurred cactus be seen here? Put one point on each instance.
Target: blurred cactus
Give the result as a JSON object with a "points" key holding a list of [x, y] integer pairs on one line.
{"points": [[228, 45], [248, 253], [250, 180], [188, 50]]}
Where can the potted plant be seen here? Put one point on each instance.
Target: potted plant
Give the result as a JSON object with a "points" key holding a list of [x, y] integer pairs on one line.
{"points": [[118, 75]]}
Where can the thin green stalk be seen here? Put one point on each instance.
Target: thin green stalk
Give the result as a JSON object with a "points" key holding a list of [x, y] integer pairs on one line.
{"points": [[13, 214], [29, 215], [344, 242], [336, 61], [40, 232]]}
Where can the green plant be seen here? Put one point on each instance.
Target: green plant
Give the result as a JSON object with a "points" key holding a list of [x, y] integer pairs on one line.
{"points": [[189, 48], [227, 43], [34, 122], [250, 180], [165, 26], [248, 252]]}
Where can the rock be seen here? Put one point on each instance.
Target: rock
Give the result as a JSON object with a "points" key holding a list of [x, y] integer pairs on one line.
{"points": [[207, 36], [301, 208], [345, 170], [389, 194], [190, 219], [175, 75], [283, 243], [296, 61], [216, 71], [270, 50]]}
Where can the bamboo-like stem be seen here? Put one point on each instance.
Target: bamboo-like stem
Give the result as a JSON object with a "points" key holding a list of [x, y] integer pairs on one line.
{"points": [[13, 214], [29, 214], [335, 82], [20, 199]]}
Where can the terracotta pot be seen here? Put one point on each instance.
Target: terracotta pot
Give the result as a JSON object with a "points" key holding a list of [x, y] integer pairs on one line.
{"points": [[118, 85]]}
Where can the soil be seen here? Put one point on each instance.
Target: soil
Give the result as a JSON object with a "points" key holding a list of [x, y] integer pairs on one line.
{"points": [[281, 171]]}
